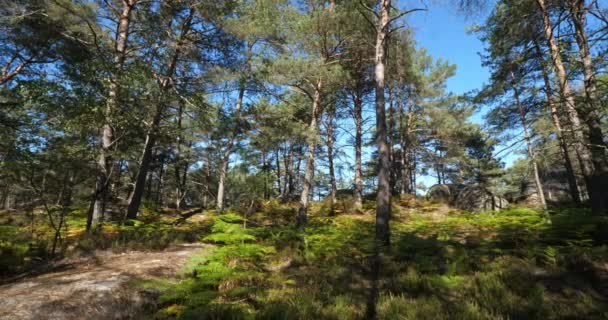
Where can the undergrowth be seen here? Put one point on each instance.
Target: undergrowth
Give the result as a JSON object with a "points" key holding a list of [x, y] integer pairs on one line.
{"points": [[516, 264], [26, 237]]}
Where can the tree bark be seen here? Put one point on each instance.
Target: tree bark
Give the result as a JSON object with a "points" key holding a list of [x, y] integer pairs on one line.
{"points": [[522, 117], [288, 172], [389, 139], [310, 157], [383, 200], [230, 146], [179, 186], [330, 159], [572, 180], [406, 144], [582, 150], [96, 212], [152, 132], [598, 192], [228, 151], [144, 166], [277, 162], [358, 115]]}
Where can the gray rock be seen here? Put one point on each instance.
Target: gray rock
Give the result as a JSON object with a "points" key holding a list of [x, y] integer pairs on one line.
{"points": [[445, 193], [477, 198]]}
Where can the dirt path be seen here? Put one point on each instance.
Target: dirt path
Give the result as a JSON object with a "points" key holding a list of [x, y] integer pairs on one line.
{"points": [[98, 287]]}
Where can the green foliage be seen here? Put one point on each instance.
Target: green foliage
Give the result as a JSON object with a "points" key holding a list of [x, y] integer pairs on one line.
{"points": [[18, 250], [228, 229]]}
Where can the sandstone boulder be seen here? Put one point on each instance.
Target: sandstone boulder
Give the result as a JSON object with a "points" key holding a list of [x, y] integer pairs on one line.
{"points": [[476, 198], [445, 193]]}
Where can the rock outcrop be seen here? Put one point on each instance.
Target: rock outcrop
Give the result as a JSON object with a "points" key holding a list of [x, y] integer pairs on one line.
{"points": [[445, 193], [477, 198]]}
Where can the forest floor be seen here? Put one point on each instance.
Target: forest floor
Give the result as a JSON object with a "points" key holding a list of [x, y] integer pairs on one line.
{"points": [[101, 285], [519, 263]]}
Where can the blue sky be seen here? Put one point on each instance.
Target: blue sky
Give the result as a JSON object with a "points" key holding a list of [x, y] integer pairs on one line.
{"points": [[442, 30]]}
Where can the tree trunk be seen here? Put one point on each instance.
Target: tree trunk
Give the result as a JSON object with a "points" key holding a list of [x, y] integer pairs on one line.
{"points": [[522, 117], [164, 84], [408, 154], [580, 146], [277, 162], [288, 174], [228, 151], [310, 157], [383, 201], [160, 193], [572, 181], [330, 159], [96, 212], [402, 156], [179, 187], [144, 166], [389, 139], [265, 170], [205, 188], [598, 191], [358, 115], [413, 172]]}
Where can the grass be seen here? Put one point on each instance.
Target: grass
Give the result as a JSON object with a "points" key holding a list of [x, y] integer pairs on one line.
{"points": [[508, 265], [26, 237], [443, 264]]}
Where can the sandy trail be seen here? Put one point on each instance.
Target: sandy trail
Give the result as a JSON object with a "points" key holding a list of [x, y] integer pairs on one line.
{"points": [[97, 287]]}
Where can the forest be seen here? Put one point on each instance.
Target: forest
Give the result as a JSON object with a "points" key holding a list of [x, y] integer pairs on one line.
{"points": [[301, 159]]}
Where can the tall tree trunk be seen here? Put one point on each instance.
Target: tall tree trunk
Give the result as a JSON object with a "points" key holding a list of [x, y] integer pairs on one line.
{"points": [[383, 201], [229, 148], [401, 134], [330, 159], [288, 172], [178, 159], [310, 157], [205, 188], [67, 188], [389, 139], [160, 194], [413, 172], [104, 162], [228, 151], [149, 180], [297, 170], [522, 117], [277, 163], [144, 166], [152, 132], [582, 151], [182, 163], [572, 181], [358, 115], [406, 123], [598, 193]]}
